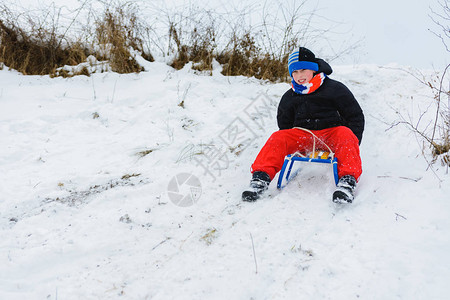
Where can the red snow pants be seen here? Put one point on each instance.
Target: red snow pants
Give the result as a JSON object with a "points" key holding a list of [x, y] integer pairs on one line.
{"points": [[341, 140]]}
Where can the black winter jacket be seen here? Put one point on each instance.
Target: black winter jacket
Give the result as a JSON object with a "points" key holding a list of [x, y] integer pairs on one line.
{"points": [[330, 105]]}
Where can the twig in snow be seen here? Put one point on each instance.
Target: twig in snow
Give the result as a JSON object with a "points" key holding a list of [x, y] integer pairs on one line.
{"points": [[401, 177], [412, 179], [397, 216], [254, 254], [181, 104], [114, 91], [182, 242], [93, 89], [160, 243]]}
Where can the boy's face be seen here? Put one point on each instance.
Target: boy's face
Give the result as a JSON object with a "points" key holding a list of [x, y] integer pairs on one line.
{"points": [[302, 76]]}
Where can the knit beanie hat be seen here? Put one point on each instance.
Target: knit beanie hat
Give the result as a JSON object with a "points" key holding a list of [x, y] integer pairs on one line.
{"points": [[302, 58]]}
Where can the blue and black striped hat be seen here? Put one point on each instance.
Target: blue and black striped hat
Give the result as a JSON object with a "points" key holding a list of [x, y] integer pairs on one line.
{"points": [[302, 58]]}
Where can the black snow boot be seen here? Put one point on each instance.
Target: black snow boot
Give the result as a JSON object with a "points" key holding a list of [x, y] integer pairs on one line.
{"points": [[344, 190], [259, 183]]}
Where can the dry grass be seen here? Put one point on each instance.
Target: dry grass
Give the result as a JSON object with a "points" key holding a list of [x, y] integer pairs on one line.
{"points": [[36, 54], [199, 49], [191, 34], [41, 48], [241, 56], [245, 58], [118, 33]]}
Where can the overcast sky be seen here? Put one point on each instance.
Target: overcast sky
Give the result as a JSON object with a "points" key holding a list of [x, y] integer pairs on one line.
{"points": [[394, 31]]}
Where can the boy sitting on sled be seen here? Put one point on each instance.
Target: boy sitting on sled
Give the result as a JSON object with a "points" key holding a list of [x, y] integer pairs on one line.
{"points": [[319, 106]]}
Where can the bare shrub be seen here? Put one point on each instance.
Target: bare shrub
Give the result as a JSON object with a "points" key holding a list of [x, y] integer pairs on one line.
{"points": [[191, 34], [118, 32], [435, 133], [237, 58], [40, 49], [440, 136], [242, 48], [244, 57], [40, 43], [194, 35]]}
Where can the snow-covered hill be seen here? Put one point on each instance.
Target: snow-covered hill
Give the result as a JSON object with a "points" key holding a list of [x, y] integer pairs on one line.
{"points": [[87, 165]]}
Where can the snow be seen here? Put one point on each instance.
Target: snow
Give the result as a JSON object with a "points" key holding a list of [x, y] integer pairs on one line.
{"points": [[85, 211]]}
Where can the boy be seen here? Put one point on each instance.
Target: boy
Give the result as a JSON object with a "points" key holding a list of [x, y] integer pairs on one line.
{"points": [[315, 106]]}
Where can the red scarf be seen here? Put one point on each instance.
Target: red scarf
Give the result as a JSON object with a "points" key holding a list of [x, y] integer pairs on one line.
{"points": [[309, 87]]}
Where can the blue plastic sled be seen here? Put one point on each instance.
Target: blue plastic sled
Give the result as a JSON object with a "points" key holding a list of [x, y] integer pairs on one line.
{"points": [[315, 157]]}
